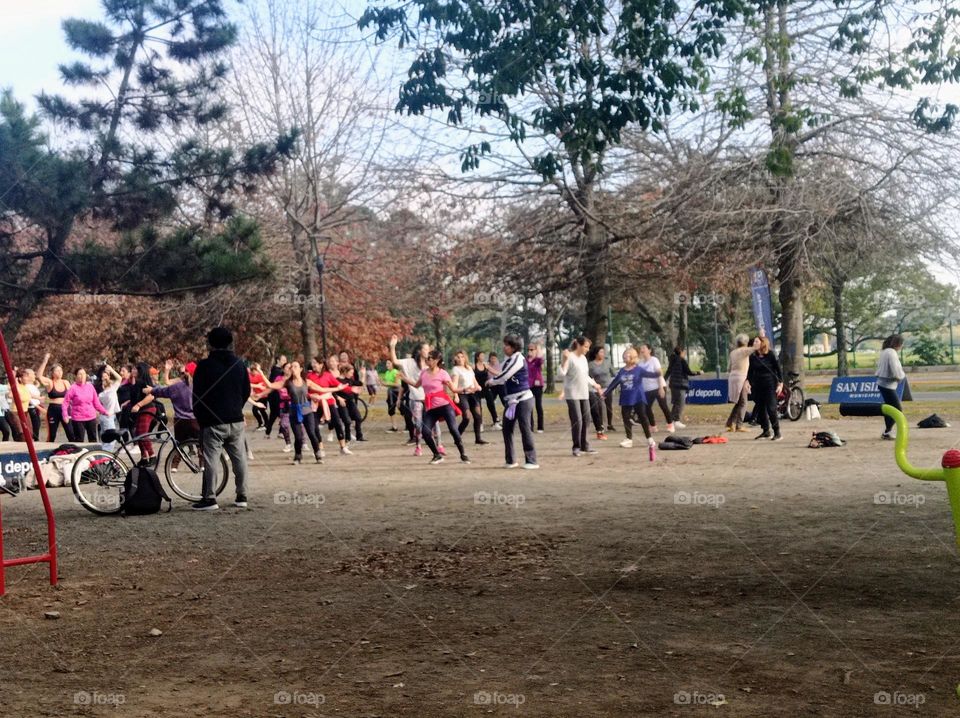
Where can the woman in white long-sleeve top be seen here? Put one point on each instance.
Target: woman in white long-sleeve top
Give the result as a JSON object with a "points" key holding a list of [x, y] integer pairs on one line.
{"points": [[576, 390], [889, 375]]}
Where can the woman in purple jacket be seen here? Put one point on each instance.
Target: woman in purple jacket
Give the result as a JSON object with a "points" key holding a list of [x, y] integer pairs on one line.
{"points": [[535, 377]]}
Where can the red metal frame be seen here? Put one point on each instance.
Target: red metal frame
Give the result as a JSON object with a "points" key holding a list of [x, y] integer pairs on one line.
{"points": [[50, 556]]}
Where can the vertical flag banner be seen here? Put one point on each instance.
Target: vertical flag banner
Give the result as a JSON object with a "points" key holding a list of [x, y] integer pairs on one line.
{"points": [[762, 305]]}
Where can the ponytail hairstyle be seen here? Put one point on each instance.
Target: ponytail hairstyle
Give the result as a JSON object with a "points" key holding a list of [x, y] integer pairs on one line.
{"points": [[437, 355], [894, 341], [578, 342]]}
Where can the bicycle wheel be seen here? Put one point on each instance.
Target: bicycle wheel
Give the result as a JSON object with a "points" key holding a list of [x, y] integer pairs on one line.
{"points": [[795, 403], [97, 481], [363, 409], [183, 470]]}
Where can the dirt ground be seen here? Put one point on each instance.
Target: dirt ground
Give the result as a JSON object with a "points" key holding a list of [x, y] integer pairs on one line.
{"points": [[749, 579]]}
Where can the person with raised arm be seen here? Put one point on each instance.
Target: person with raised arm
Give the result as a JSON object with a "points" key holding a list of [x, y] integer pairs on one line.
{"points": [[633, 399], [410, 368], [738, 388], [57, 388], [180, 394]]}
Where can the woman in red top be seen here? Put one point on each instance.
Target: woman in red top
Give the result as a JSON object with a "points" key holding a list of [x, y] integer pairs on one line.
{"points": [[258, 382], [331, 378], [437, 405]]}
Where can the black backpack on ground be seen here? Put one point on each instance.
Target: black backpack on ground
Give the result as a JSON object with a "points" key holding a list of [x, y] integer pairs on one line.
{"points": [[823, 439], [676, 443], [932, 422], [142, 492]]}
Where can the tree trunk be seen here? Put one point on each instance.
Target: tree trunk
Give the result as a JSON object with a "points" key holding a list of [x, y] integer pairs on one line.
{"points": [[308, 321], [682, 327], [306, 297], [791, 306], [548, 346], [838, 320], [597, 284]]}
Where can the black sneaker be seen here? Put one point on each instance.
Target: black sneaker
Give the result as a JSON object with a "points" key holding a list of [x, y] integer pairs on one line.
{"points": [[318, 457], [886, 436], [438, 459], [777, 437], [764, 435], [360, 438], [410, 442], [241, 502], [464, 458], [611, 428], [205, 505], [481, 442]]}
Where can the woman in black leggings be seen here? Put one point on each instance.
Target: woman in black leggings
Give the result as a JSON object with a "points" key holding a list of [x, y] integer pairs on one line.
{"points": [[654, 389], [489, 394], [470, 392], [438, 406], [302, 418]]}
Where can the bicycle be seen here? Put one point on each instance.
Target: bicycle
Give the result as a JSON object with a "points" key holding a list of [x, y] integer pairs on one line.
{"points": [[98, 475], [790, 400]]}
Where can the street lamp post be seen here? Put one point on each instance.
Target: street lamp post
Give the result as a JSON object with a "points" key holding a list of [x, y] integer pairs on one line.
{"points": [[716, 334]]}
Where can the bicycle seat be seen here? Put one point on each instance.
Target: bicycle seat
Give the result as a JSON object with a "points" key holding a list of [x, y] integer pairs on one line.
{"points": [[113, 435], [793, 374]]}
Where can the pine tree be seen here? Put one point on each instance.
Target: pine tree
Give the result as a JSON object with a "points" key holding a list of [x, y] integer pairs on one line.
{"points": [[154, 69]]}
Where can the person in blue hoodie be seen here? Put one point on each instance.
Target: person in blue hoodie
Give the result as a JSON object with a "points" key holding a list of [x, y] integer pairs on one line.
{"points": [[633, 399]]}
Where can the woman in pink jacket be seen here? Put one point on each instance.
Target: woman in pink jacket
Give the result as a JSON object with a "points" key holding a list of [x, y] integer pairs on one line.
{"points": [[81, 406]]}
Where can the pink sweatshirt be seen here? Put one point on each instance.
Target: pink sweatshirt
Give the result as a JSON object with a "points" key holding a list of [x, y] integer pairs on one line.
{"points": [[82, 403]]}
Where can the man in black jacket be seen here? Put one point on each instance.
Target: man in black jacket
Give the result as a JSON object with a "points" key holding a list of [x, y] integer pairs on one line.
{"points": [[221, 387]]}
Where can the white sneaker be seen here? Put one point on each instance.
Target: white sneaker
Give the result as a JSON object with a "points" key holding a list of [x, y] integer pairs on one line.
{"points": [[529, 466], [670, 428], [511, 466], [346, 451], [651, 441], [539, 431], [627, 443], [174, 470], [497, 425], [287, 449], [680, 425], [331, 437], [250, 456]]}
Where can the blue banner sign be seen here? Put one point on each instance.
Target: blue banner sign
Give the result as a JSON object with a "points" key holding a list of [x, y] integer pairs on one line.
{"points": [[707, 391], [858, 390], [762, 304]]}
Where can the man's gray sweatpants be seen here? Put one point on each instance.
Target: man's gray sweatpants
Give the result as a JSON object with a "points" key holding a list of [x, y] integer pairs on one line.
{"points": [[215, 439]]}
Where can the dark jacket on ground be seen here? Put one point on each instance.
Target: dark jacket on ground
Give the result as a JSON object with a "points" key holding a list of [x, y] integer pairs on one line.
{"points": [[764, 371], [221, 387], [677, 372]]}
